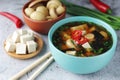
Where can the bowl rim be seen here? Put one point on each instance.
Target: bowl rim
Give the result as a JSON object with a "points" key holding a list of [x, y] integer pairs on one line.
{"points": [[88, 19], [44, 21]]}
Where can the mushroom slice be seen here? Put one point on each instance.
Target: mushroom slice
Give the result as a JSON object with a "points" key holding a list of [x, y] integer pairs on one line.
{"points": [[90, 36], [70, 43], [103, 33], [93, 28]]}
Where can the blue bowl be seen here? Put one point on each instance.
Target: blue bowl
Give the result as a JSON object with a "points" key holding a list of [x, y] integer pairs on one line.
{"points": [[82, 65]]}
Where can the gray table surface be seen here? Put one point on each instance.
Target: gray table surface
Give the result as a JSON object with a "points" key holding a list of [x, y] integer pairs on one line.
{"points": [[10, 66]]}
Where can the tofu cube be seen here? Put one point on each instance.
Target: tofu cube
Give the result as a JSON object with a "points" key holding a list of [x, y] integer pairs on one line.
{"points": [[9, 39], [22, 31], [71, 52], [30, 32], [10, 47], [31, 46], [20, 48], [86, 45], [25, 38], [16, 36]]}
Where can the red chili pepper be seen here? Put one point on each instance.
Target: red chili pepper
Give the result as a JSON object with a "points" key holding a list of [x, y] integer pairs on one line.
{"points": [[82, 40], [76, 34], [14, 18], [101, 6]]}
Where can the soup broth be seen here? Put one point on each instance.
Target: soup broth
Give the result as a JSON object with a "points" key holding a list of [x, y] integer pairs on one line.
{"points": [[82, 39]]}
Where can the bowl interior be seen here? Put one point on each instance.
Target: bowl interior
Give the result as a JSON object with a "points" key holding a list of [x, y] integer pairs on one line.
{"points": [[87, 19]]}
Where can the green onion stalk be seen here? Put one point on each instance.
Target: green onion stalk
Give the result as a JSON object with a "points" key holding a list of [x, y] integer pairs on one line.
{"points": [[77, 10]]}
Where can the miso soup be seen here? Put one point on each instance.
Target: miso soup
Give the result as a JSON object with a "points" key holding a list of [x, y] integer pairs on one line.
{"points": [[82, 39]]}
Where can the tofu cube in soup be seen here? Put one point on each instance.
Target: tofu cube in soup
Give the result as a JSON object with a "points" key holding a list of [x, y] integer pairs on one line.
{"points": [[31, 46], [71, 53], [86, 45], [10, 47], [20, 48]]}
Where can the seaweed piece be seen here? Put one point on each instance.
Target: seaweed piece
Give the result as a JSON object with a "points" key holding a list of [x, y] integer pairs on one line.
{"points": [[98, 36]]}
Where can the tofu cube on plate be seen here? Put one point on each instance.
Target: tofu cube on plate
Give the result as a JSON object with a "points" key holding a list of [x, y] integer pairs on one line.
{"points": [[22, 31], [30, 32], [31, 46], [16, 36], [20, 48], [10, 46], [25, 38]]}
